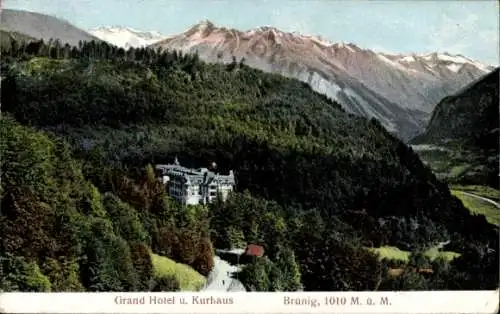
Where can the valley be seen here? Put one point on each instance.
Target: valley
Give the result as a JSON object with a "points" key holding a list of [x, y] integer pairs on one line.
{"points": [[354, 169], [460, 143]]}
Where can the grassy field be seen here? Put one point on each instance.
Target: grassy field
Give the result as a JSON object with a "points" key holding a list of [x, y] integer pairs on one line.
{"points": [[481, 190], [478, 206], [434, 253], [189, 279], [459, 170], [391, 252], [394, 253], [452, 164]]}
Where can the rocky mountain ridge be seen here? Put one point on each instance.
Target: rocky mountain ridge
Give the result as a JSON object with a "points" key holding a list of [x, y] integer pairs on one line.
{"points": [[399, 90]]}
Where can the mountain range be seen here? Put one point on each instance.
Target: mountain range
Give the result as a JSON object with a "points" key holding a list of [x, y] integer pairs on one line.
{"points": [[399, 90]]}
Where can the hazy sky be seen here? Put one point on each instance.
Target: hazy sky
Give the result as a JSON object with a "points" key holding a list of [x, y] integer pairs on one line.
{"points": [[466, 27]]}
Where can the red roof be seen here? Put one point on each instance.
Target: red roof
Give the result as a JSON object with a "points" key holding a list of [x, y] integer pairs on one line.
{"points": [[255, 250]]}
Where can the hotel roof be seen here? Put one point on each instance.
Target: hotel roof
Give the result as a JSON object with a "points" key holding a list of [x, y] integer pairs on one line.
{"points": [[196, 176]]}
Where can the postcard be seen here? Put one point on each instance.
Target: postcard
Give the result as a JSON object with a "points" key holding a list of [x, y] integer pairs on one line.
{"points": [[240, 156]]}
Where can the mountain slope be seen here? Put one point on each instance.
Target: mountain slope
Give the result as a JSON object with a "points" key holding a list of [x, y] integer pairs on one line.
{"points": [[397, 90], [126, 37], [467, 123], [471, 115], [7, 37], [60, 233], [314, 174], [42, 26]]}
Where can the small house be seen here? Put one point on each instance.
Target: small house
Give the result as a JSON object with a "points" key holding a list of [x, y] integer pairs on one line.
{"points": [[254, 250]]}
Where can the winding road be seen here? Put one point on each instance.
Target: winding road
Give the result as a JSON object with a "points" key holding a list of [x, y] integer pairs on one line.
{"points": [[221, 277], [482, 198]]}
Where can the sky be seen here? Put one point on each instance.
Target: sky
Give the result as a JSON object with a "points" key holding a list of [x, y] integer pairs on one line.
{"points": [[467, 27]]}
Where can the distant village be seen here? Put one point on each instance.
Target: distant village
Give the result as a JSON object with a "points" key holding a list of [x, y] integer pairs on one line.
{"points": [[195, 186]]}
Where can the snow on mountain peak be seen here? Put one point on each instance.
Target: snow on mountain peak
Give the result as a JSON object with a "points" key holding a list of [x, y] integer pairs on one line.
{"points": [[126, 37], [269, 29], [453, 61], [346, 46], [365, 82], [204, 25]]}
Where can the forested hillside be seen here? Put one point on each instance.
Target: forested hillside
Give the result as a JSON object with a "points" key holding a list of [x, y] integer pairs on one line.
{"points": [[316, 186], [8, 38], [465, 128], [59, 233]]}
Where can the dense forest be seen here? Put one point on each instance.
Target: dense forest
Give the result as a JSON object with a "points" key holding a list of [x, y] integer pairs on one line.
{"points": [[316, 186]]}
